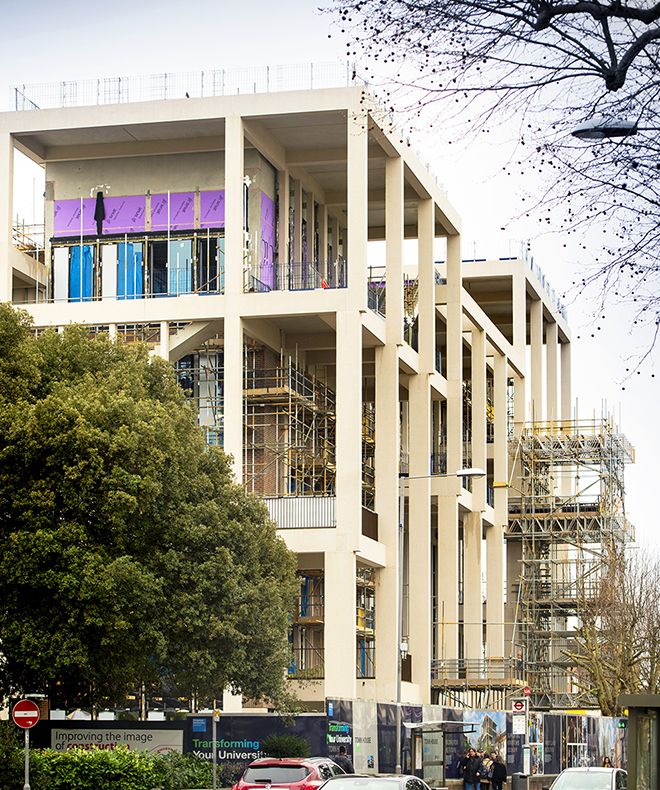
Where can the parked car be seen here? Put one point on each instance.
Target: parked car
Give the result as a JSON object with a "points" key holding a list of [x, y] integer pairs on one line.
{"points": [[375, 782], [295, 773], [591, 779]]}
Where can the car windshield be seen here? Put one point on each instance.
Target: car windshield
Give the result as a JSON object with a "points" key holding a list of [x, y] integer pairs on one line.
{"points": [[587, 780], [275, 774]]}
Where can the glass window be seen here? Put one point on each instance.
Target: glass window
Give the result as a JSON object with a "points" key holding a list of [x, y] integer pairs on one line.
{"points": [[275, 774], [621, 780], [325, 772], [158, 267]]}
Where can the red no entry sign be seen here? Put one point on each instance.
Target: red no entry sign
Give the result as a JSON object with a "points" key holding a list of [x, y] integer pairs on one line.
{"points": [[25, 714]]}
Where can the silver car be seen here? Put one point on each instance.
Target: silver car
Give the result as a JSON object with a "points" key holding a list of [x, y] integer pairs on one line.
{"points": [[591, 779]]}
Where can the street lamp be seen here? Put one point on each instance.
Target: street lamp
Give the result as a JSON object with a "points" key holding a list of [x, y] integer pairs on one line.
{"points": [[603, 129], [402, 646]]}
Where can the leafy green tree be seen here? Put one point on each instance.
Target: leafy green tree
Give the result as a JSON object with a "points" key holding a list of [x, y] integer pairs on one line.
{"points": [[127, 552], [285, 746]]}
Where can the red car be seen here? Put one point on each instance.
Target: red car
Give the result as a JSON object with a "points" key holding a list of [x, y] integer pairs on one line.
{"points": [[291, 772]]}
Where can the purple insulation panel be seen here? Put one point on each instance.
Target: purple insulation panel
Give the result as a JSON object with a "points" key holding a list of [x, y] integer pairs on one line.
{"points": [[67, 217], [181, 212], [124, 214], [267, 240], [212, 208]]}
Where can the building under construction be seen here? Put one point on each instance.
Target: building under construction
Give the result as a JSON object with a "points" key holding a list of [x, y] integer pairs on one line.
{"points": [[567, 522], [235, 239]]}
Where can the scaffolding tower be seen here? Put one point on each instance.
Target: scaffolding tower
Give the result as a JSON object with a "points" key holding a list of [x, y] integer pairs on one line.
{"points": [[568, 520]]}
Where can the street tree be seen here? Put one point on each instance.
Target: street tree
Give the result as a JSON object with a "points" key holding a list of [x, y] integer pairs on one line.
{"points": [[128, 554], [617, 644], [540, 68]]}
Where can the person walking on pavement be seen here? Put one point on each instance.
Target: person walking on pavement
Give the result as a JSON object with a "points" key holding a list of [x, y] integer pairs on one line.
{"points": [[469, 768], [344, 761], [498, 774], [484, 770]]}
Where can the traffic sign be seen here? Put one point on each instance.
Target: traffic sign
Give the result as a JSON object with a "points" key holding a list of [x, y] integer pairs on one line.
{"points": [[527, 691], [25, 714], [519, 706]]}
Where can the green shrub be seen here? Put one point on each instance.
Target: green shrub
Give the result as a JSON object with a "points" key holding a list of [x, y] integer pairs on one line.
{"points": [[94, 769], [11, 757], [181, 771], [285, 746]]}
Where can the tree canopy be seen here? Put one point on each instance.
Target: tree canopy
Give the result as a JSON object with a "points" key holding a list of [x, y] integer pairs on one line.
{"points": [[541, 67], [127, 552]]}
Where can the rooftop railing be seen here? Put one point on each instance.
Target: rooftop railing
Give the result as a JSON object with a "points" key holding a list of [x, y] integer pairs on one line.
{"points": [[183, 85]]}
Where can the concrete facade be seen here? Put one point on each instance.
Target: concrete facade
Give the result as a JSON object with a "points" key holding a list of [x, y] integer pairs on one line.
{"points": [[447, 356]]}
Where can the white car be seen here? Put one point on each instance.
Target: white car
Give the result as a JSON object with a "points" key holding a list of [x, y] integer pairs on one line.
{"points": [[591, 779]]}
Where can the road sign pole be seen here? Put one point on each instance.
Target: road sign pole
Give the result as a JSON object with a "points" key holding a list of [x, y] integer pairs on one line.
{"points": [[26, 786], [214, 737]]}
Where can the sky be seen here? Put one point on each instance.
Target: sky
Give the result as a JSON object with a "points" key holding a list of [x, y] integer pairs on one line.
{"points": [[42, 41]]}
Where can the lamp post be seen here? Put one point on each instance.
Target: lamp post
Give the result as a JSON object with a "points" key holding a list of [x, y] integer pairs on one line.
{"points": [[402, 647]]}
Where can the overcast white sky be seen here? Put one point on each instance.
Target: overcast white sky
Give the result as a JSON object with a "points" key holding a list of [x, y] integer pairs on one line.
{"points": [[42, 41]]}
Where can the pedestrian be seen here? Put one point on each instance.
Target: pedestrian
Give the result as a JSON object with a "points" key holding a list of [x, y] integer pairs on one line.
{"points": [[607, 763], [498, 774], [469, 768], [484, 771], [344, 761]]}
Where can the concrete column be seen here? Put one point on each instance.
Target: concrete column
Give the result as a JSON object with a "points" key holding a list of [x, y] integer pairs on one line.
{"points": [[283, 188], [164, 347], [233, 395], [454, 356], [520, 415], [447, 575], [552, 351], [349, 425], [394, 248], [426, 289], [112, 331], [419, 534], [6, 214], [339, 625], [512, 610], [479, 415], [323, 241], [519, 310], [566, 400], [358, 202], [472, 602], [495, 534], [388, 436], [536, 372], [234, 231], [309, 221], [297, 254]]}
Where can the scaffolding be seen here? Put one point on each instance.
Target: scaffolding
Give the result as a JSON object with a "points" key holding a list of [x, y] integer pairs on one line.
{"points": [[568, 519], [289, 428]]}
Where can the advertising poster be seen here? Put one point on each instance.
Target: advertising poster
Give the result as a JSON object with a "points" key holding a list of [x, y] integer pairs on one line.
{"points": [[239, 737], [536, 741], [339, 730], [144, 739], [489, 730], [551, 744], [514, 748], [386, 716], [365, 737], [612, 741], [575, 751]]}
